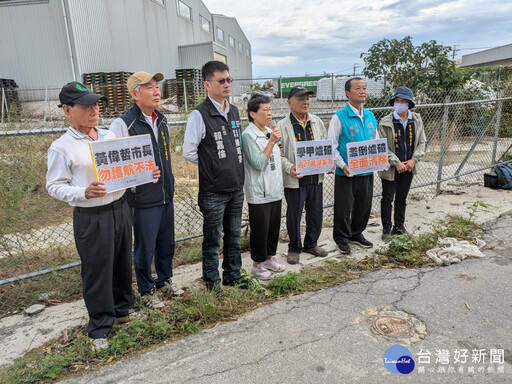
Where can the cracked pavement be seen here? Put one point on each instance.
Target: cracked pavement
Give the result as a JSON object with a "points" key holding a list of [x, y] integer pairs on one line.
{"points": [[326, 336]]}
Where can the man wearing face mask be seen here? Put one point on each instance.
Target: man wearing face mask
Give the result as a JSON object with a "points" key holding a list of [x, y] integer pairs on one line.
{"points": [[406, 146]]}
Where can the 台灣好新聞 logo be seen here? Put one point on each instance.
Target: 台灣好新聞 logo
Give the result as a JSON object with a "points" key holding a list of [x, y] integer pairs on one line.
{"points": [[398, 359]]}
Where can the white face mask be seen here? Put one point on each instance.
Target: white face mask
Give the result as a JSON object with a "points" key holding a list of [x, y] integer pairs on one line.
{"points": [[401, 107]]}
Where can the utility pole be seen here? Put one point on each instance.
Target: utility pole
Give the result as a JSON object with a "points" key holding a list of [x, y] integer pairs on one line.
{"points": [[355, 66], [455, 50]]}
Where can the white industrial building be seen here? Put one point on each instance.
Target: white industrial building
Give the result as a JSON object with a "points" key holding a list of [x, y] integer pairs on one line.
{"points": [[47, 43], [490, 57]]}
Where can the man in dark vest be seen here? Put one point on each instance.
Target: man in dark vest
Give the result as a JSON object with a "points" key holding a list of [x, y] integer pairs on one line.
{"points": [[213, 142], [153, 209]]}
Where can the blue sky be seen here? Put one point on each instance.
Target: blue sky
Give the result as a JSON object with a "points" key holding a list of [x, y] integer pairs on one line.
{"points": [[297, 37]]}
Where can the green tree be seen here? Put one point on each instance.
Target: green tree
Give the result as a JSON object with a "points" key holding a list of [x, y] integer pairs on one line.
{"points": [[423, 67]]}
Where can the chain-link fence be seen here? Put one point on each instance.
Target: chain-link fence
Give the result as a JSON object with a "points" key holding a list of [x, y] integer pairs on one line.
{"points": [[467, 132]]}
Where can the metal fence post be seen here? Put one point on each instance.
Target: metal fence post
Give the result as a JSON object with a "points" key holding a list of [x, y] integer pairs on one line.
{"points": [[280, 86], [475, 143], [3, 98], [185, 95], [332, 93], [45, 102], [497, 129], [443, 144]]}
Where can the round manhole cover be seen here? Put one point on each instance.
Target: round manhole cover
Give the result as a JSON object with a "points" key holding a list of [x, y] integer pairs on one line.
{"points": [[393, 323], [393, 326]]}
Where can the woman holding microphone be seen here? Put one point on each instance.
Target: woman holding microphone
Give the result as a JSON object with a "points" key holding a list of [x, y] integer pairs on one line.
{"points": [[263, 185]]}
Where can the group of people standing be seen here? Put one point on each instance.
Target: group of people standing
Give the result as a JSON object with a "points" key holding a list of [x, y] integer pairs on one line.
{"points": [[266, 182], [260, 160]]}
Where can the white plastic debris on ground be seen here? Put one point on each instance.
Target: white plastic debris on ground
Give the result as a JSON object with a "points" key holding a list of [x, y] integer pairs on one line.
{"points": [[450, 250]]}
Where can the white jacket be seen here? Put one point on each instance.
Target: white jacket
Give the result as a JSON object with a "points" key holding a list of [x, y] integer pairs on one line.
{"points": [[263, 177]]}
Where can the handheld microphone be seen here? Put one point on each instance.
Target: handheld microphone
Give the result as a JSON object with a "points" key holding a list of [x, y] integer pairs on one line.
{"points": [[273, 126]]}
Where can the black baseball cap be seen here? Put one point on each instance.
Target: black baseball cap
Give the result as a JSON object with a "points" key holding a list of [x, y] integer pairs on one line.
{"points": [[299, 91], [75, 92]]}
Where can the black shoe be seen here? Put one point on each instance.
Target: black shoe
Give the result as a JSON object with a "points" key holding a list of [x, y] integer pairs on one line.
{"points": [[398, 230], [361, 241], [211, 285], [344, 248], [215, 288], [386, 233], [241, 283]]}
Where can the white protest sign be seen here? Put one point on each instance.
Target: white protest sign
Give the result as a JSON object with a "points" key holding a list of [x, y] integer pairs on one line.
{"points": [[313, 157], [124, 162], [367, 156]]}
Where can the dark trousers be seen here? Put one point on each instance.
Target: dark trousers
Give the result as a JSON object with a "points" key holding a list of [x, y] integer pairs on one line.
{"points": [[265, 222], [153, 230], [352, 206], [221, 211], [309, 197], [396, 190], [103, 238]]}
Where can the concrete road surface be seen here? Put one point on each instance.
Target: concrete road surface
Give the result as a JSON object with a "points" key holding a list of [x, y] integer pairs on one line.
{"points": [[455, 322]]}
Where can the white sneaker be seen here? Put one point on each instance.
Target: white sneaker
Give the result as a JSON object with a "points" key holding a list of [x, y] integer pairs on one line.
{"points": [[260, 272], [172, 289], [152, 299], [272, 265], [100, 344]]}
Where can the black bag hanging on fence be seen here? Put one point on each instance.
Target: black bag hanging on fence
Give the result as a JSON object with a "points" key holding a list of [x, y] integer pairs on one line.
{"points": [[504, 174]]}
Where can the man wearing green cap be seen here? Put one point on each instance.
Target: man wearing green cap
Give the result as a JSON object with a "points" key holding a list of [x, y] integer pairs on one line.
{"points": [[101, 221]]}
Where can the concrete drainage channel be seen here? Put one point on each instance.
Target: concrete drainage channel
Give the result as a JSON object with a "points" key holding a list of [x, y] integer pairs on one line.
{"points": [[393, 324]]}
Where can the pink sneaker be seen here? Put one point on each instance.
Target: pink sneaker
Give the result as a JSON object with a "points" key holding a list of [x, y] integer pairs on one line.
{"points": [[260, 272], [272, 265]]}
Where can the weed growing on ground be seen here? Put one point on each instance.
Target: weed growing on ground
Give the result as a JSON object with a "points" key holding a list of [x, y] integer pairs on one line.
{"points": [[200, 309]]}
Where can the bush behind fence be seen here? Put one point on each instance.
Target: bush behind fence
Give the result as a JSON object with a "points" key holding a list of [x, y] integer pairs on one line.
{"points": [[467, 132]]}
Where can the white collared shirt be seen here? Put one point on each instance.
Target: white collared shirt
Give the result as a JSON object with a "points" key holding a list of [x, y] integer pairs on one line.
{"points": [[196, 131], [152, 124], [71, 171], [334, 132], [404, 123]]}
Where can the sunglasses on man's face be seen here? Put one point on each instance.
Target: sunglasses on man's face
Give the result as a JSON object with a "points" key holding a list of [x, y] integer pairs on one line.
{"points": [[222, 81]]}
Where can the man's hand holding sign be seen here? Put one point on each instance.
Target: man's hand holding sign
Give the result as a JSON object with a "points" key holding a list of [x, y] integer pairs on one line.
{"points": [[366, 156], [122, 163]]}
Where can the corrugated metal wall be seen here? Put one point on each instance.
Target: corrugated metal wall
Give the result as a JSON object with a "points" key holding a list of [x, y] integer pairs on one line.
{"points": [[105, 35], [239, 63], [33, 47], [119, 35], [195, 55]]}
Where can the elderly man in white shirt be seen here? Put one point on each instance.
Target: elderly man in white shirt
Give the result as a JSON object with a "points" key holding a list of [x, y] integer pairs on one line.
{"points": [[101, 221]]}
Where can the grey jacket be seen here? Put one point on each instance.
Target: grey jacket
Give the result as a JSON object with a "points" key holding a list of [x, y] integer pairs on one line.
{"points": [[263, 177], [288, 150], [387, 130]]}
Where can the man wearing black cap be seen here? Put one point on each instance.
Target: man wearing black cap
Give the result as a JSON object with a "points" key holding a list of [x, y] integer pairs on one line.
{"points": [[101, 221], [301, 191], [153, 213]]}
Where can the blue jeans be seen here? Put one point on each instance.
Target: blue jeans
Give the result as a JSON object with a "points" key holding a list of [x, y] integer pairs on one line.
{"points": [[221, 211], [153, 230]]}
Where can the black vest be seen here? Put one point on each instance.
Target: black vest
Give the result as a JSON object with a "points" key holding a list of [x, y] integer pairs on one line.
{"points": [[221, 167], [404, 139], [151, 194]]}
